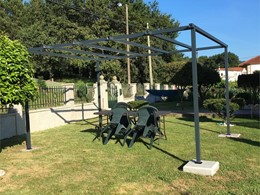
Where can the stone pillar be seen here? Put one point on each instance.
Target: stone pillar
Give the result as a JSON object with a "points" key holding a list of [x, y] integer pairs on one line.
{"points": [[165, 87], [103, 93], [133, 89], [173, 87], [157, 86], [69, 94], [146, 87], [120, 96]]}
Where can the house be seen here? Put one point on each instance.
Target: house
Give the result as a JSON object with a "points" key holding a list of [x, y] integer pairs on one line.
{"points": [[233, 73], [251, 65], [247, 67]]}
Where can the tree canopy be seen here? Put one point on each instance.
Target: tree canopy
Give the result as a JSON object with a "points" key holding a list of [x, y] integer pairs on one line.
{"points": [[218, 60], [251, 82], [39, 22], [16, 71], [206, 78]]}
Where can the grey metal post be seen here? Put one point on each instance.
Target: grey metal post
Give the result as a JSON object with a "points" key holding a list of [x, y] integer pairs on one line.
{"points": [[195, 94], [28, 134], [98, 70], [227, 92]]}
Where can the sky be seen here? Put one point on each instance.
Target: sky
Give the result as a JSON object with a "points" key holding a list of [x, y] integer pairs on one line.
{"points": [[234, 22]]}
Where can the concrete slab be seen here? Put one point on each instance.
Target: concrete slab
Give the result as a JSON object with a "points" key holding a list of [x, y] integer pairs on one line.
{"points": [[2, 173], [205, 168], [33, 148], [232, 135]]}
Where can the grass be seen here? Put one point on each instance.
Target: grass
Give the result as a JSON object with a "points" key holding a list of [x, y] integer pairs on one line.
{"points": [[67, 161]]}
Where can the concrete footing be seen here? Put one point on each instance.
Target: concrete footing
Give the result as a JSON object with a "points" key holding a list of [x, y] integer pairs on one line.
{"points": [[2, 173], [29, 150], [232, 135], [205, 168]]}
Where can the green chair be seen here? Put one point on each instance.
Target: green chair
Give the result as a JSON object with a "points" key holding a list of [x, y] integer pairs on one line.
{"points": [[118, 126], [146, 125]]}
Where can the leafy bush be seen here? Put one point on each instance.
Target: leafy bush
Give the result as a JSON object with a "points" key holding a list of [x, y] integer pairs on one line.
{"points": [[246, 96], [134, 105], [16, 71], [81, 90], [218, 106], [41, 83]]}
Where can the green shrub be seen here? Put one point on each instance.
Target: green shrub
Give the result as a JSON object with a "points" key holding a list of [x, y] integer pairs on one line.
{"points": [[81, 90], [41, 83], [218, 106], [134, 105]]}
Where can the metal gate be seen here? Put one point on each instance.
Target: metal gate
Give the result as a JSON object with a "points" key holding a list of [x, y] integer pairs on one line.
{"points": [[112, 94]]}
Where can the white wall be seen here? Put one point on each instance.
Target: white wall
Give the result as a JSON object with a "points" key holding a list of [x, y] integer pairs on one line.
{"points": [[13, 124]]}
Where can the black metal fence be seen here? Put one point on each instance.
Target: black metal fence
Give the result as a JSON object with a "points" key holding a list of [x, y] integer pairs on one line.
{"points": [[3, 109], [48, 97]]}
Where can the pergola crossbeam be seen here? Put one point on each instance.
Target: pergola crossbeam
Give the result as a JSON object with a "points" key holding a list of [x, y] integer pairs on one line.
{"points": [[209, 36], [173, 41]]}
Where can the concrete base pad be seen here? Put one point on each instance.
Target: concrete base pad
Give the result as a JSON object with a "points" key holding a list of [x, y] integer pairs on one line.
{"points": [[205, 168], [232, 135], [2, 173], [33, 148]]}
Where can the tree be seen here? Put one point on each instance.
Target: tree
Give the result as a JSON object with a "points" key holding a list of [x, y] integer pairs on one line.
{"points": [[250, 82], [16, 71], [40, 22], [16, 83], [207, 77], [218, 60]]}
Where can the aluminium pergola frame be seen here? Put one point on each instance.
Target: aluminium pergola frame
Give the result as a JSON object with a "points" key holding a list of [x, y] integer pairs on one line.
{"points": [[97, 50]]}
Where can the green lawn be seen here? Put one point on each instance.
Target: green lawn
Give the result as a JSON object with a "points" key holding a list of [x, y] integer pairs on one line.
{"points": [[67, 161]]}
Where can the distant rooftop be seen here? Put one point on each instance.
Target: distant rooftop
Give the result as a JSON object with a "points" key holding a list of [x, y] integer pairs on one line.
{"points": [[232, 69], [255, 60]]}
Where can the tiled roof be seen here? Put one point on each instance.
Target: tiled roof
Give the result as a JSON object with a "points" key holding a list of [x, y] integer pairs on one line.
{"points": [[255, 60], [240, 69]]}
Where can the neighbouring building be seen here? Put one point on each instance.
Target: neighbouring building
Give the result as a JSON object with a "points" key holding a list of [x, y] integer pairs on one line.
{"points": [[251, 65], [233, 73], [247, 67]]}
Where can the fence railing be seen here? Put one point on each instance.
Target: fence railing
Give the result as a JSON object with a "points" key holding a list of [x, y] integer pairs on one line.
{"points": [[48, 97], [3, 109]]}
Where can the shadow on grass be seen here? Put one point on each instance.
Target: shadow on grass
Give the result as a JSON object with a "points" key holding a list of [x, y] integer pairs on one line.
{"points": [[247, 141], [190, 119], [9, 142], [161, 150], [255, 124], [139, 140]]}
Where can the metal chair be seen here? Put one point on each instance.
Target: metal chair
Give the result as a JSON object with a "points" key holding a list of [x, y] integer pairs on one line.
{"points": [[146, 125], [118, 126]]}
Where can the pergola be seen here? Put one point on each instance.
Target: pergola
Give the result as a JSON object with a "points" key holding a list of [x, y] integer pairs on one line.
{"points": [[98, 50]]}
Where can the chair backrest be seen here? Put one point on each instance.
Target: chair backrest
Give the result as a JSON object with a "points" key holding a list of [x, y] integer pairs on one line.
{"points": [[147, 116], [120, 116]]}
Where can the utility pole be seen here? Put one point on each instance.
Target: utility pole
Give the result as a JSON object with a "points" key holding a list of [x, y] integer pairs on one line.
{"points": [[150, 60], [127, 45]]}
